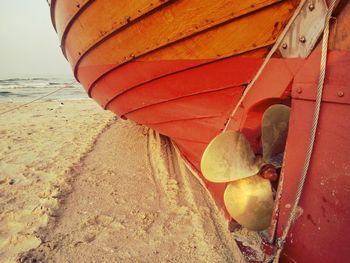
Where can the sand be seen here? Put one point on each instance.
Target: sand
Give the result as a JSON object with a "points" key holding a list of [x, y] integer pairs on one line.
{"points": [[79, 185], [38, 144]]}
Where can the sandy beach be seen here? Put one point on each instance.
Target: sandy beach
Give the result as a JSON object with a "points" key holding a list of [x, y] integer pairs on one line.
{"points": [[79, 185]]}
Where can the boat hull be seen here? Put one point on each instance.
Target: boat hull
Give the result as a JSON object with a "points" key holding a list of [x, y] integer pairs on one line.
{"points": [[180, 67]]}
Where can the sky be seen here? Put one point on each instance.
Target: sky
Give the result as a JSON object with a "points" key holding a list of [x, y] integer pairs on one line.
{"points": [[29, 45]]}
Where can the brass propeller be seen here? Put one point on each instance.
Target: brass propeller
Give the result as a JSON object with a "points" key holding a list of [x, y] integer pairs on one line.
{"points": [[227, 158], [230, 158], [275, 125], [249, 201]]}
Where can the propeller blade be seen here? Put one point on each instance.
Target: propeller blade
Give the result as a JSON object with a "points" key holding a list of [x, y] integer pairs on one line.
{"points": [[228, 157], [274, 132], [250, 202]]}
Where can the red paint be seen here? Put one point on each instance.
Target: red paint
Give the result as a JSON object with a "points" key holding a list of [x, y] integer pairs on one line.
{"points": [[188, 107], [205, 75], [178, 110], [321, 234], [190, 101], [128, 75]]}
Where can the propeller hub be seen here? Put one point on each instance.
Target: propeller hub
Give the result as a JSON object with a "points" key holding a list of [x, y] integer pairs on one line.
{"points": [[269, 172]]}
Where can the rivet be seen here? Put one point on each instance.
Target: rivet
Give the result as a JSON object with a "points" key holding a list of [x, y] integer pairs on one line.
{"points": [[340, 94], [311, 7], [284, 45], [299, 90], [302, 39]]}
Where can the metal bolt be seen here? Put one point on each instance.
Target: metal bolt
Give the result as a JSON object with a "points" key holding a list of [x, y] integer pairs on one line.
{"points": [[299, 90], [340, 94], [311, 7], [302, 39], [284, 45]]}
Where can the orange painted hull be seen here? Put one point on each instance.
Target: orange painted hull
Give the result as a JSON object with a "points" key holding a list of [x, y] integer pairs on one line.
{"points": [[180, 67]]}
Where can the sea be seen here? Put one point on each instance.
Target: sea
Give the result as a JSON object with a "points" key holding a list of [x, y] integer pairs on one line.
{"points": [[25, 89]]}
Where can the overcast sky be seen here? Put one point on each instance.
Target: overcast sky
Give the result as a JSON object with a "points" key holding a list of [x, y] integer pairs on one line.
{"points": [[28, 42]]}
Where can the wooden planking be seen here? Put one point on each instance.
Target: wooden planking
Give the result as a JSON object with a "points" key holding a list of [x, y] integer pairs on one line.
{"points": [[150, 34], [185, 117], [183, 78], [233, 38], [134, 74], [218, 103], [213, 76], [138, 72], [171, 23], [196, 130], [103, 18], [64, 11], [247, 33]]}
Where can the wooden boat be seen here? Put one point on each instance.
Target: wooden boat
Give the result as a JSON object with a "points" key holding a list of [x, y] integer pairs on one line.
{"points": [[181, 68]]}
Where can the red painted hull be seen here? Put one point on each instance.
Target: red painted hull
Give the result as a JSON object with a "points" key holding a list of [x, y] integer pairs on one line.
{"points": [[195, 105], [191, 110]]}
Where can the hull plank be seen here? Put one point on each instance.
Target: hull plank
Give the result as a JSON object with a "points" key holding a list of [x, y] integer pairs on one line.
{"points": [[91, 28], [137, 73], [211, 77], [132, 75], [170, 23], [64, 12], [227, 40], [190, 107]]}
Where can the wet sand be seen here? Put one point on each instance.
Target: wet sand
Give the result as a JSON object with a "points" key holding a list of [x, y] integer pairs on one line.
{"points": [[79, 185]]}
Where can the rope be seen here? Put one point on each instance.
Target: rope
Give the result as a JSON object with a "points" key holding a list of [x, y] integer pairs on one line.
{"points": [[294, 212], [30, 102], [268, 57]]}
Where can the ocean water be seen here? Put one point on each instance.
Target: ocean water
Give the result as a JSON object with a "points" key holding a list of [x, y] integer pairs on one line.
{"points": [[25, 89]]}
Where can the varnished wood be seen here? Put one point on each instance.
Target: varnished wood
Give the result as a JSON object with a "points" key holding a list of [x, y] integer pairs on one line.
{"points": [[169, 24], [93, 27], [64, 11], [240, 35], [165, 30], [247, 33]]}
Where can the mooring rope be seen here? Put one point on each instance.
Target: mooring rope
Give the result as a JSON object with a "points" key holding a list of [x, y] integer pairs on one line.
{"points": [[267, 59], [30, 102], [323, 65]]}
